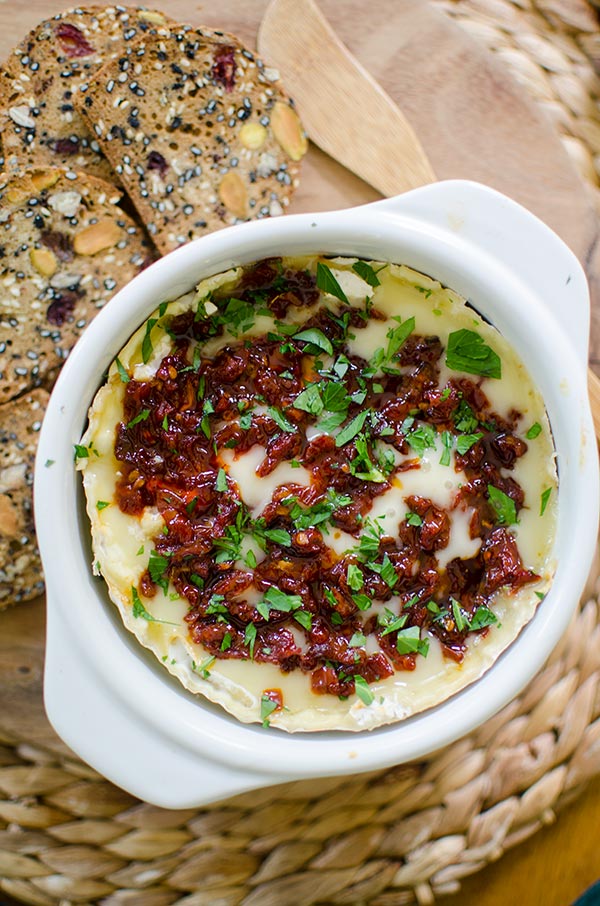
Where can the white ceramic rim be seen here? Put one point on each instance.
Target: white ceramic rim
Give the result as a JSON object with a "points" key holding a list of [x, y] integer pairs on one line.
{"points": [[376, 232]]}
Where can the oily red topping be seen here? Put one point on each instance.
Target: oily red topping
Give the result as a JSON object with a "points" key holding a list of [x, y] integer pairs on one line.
{"points": [[298, 604]]}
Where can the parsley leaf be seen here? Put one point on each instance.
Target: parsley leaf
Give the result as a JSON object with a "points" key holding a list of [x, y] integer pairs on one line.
{"points": [[361, 688], [354, 577], [398, 335], [481, 618], [157, 567], [304, 618], [316, 341], [534, 431], [465, 441], [280, 420], [275, 599], [447, 441], [140, 417], [352, 428], [122, 372], [102, 504], [464, 418], [250, 638], [468, 352], [309, 400], [140, 611], [267, 706], [147, 347], [504, 506], [409, 641], [422, 438], [544, 500], [328, 283], [221, 483], [365, 271]]}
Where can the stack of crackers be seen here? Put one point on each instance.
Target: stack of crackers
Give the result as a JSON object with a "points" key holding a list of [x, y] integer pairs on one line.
{"points": [[123, 135]]}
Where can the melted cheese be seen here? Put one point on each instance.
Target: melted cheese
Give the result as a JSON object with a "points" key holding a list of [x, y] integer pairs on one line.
{"points": [[122, 543]]}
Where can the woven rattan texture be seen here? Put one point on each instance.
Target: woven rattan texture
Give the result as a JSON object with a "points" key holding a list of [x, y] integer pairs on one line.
{"points": [[397, 837]]}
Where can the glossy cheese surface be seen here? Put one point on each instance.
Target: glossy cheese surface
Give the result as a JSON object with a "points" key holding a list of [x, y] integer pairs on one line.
{"points": [[404, 471]]}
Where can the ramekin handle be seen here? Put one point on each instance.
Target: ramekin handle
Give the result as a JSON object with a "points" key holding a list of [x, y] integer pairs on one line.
{"points": [[100, 728], [512, 235]]}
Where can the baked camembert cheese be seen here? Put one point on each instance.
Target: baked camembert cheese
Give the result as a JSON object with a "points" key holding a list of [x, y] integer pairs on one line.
{"points": [[322, 491]]}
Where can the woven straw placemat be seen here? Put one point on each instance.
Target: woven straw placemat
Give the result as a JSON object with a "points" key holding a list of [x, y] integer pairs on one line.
{"points": [[395, 837]]}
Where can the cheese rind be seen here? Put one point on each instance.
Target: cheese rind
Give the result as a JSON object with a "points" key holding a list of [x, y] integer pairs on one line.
{"points": [[237, 684]]}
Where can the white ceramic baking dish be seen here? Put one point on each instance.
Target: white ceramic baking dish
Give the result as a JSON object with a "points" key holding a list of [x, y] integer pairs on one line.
{"points": [[107, 697]]}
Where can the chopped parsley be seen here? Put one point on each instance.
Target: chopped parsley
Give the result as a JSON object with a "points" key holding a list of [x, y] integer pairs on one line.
{"points": [[267, 706], [447, 443], [534, 431], [409, 641], [221, 482], [275, 599], [398, 335], [140, 611], [327, 282], [250, 638], [422, 438], [280, 420], [122, 372], [157, 567], [545, 497], [147, 348], [468, 352], [140, 417], [368, 273], [361, 688], [352, 428], [464, 442], [102, 504], [354, 577], [503, 505], [316, 341]]}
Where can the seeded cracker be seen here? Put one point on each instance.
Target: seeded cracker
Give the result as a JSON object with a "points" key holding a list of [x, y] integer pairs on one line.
{"points": [[47, 71], [20, 567], [65, 249], [200, 132]]}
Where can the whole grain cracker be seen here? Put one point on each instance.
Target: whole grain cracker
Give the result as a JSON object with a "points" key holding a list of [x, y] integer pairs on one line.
{"points": [[199, 130], [65, 248], [20, 567], [48, 71]]}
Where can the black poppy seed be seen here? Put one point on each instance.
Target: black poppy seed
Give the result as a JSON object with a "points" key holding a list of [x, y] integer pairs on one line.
{"points": [[110, 85], [34, 67], [151, 227], [139, 169], [264, 120], [25, 60], [247, 54], [93, 145], [211, 106], [22, 372], [122, 244], [80, 324], [109, 283], [130, 33], [30, 138], [247, 103], [32, 355], [234, 161], [188, 209], [144, 193], [231, 122], [126, 159], [243, 113], [2, 347], [181, 181], [170, 187], [145, 141]]}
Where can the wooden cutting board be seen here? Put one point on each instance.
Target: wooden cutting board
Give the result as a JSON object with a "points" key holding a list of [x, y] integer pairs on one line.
{"points": [[474, 121]]}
